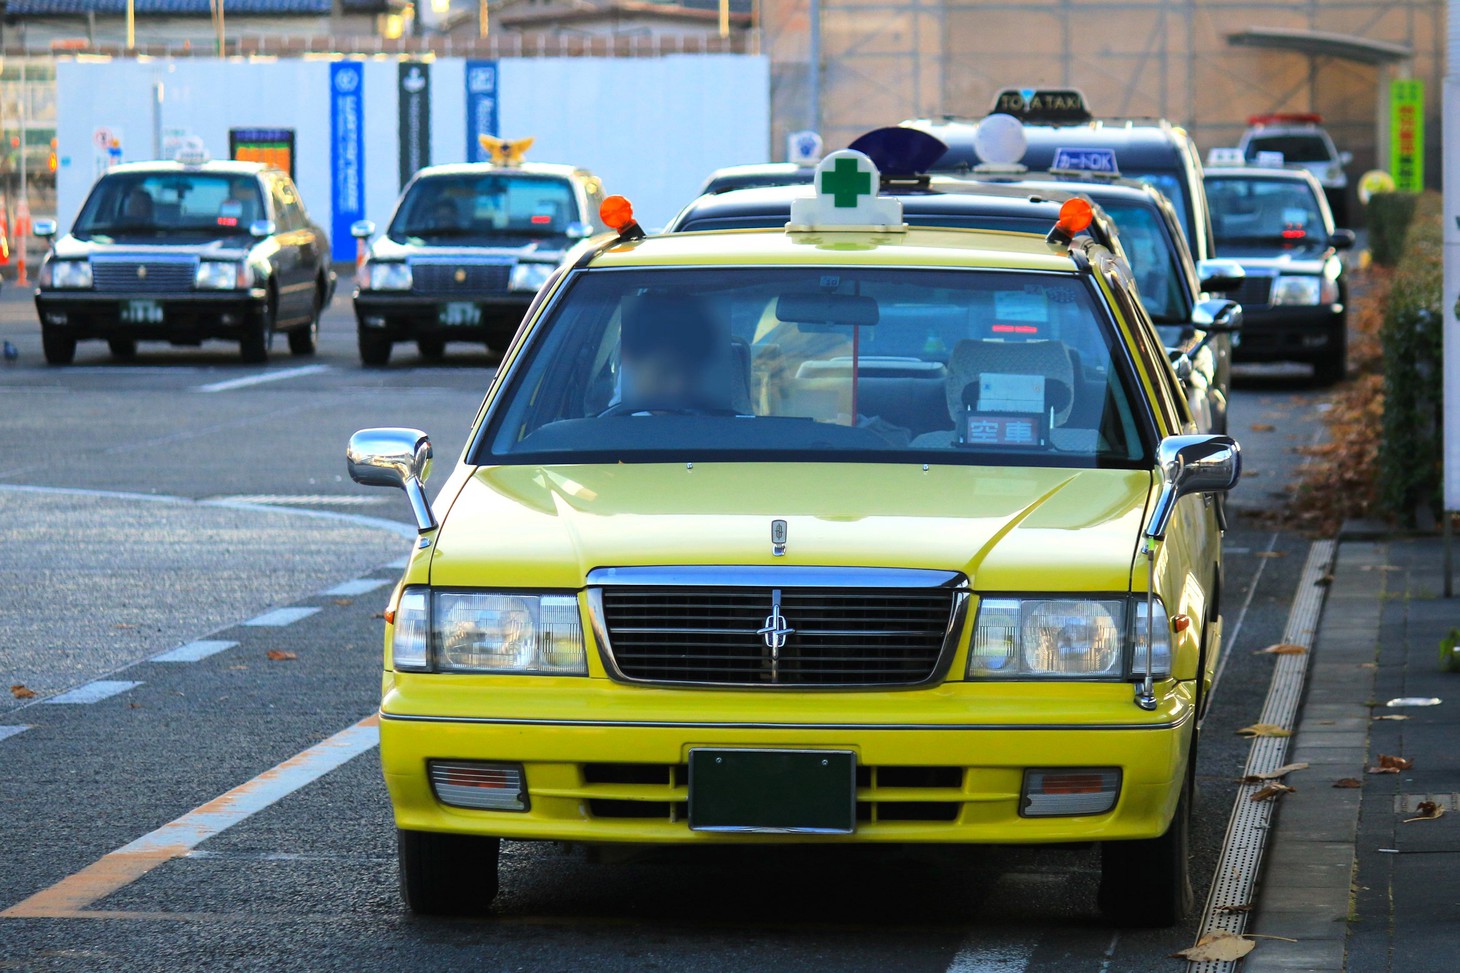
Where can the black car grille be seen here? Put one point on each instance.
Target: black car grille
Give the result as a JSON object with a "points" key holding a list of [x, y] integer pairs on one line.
{"points": [[459, 278], [143, 276], [1254, 292], [841, 637]]}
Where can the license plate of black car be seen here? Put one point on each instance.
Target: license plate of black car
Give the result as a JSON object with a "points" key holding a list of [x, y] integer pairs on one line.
{"points": [[141, 312], [461, 314], [785, 791]]}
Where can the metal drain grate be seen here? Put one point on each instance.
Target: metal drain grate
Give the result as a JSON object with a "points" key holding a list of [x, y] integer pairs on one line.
{"points": [[1236, 875]]}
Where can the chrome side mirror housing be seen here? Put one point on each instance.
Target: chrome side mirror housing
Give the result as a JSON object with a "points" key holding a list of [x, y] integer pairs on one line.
{"points": [[261, 228], [44, 229], [362, 229], [1192, 464], [1220, 276], [394, 457], [578, 230], [1218, 316]]}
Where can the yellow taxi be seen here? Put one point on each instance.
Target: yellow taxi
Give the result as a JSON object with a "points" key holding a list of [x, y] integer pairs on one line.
{"points": [[842, 532]]}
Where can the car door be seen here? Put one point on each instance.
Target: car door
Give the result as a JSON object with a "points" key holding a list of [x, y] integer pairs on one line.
{"points": [[295, 280]]}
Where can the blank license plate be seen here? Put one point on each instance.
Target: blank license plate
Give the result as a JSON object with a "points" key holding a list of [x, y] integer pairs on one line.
{"points": [[141, 312], [787, 791], [457, 315]]}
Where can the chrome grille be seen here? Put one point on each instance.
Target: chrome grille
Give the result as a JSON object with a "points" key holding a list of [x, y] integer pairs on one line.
{"points": [[1254, 292], [474, 278], [840, 635], [143, 276]]}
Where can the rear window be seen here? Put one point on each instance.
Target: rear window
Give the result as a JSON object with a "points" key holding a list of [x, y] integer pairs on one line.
{"points": [[821, 363], [1268, 210], [1293, 148]]}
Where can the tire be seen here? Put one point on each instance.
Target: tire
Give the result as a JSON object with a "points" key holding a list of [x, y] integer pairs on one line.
{"points": [[122, 347], [254, 347], [304, 341], [1332, 366], [1147, 884], [447, 874], [59, 348], [374, 348], [432, 348]]}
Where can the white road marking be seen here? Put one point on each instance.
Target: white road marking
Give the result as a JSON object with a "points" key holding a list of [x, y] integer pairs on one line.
{"points": [[9, 731], [93, 692], [262, 377], [304, 499], [280, 617], [71, 896], [193, 651], [1241, 618], [359, 586], [978, 955]]}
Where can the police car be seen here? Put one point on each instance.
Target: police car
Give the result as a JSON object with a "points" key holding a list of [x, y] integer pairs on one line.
{"points": [[1299, 139], [184, 252], [466, 250], [736, 554]]}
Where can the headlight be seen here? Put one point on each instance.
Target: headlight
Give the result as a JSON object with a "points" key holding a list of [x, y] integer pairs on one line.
{"points": [[486, 631], [530, 277], [394, 276], [1052, 637], [221, 275], [71, 274], [1289, 291]]}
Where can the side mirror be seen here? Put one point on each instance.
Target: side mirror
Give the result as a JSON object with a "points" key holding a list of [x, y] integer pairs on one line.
{"points": [[1220, 276], [261, 228], [362, 229], [1218, 316], [1192, 464], [1343, 239], [579, 230], [1345, 158], [394, 458], [44, 229]]}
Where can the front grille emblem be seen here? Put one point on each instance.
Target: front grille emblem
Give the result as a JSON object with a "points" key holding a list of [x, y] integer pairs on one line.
{"points": [[141, 272], [460, 275], [778, 538], [774, 633]]}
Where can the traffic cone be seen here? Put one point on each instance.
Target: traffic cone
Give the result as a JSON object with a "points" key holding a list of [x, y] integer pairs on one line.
{"points": [[22, 232], [360, 262], [4, 234]]}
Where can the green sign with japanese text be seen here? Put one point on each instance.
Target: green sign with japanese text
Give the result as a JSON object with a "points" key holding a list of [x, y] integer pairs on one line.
{"points": [[1407, 134]]}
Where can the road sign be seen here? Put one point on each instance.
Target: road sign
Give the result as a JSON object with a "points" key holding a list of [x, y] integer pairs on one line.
{"points": [[803, 148], [1407, 134]]}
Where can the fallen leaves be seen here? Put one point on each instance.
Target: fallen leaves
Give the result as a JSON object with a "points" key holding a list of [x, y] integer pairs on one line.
{"points": [[1217, 947], [1277, 774], [1426, 811], [1271, 554], [1263, 427], [1348, 783], [1264, 730], [279, 655], [1232, 910], [21, 691], [1282, 648], [1270, 791], [1391, 765], [344, 602]]}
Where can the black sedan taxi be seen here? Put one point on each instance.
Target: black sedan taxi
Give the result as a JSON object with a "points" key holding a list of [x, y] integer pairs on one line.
{"points": [[183, 252], [1276, 223], [465, 252]]}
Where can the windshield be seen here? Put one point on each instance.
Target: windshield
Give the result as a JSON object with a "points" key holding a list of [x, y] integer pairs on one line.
{"points": [[1294, 148], [170, 203], [492, 207], [1152, 259], [1256, 209], [820, 363]]}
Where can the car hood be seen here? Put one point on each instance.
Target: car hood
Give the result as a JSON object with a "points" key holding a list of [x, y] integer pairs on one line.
{"points": [[1006, 529], [1265, 257], [69, 247], [387, 249]]}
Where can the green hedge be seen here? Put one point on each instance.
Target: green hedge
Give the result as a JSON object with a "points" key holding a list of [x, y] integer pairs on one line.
{"points": [[1412, 333], [1389, 216]]}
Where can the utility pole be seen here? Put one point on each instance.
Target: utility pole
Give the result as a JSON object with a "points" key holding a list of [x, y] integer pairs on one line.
{"points": [[1450, 371], [724, 19], [484, 26], [814, 57], [131, 26]]}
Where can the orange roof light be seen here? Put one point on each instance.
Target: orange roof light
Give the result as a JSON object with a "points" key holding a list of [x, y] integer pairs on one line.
{"points": [[616, 212], [1076, 215]]}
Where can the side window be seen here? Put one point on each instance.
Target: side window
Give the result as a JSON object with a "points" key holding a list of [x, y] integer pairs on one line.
{"points": [[286, 205], [1172, 401]]}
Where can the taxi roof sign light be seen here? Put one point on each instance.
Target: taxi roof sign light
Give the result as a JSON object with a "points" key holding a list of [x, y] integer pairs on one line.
{"points": [[1000, 143], [506, 152], [844, 197], [1045, 106], [1226, 156], [192, 155], [1076, 215]]}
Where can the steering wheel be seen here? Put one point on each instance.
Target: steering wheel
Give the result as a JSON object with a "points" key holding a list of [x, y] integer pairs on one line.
{"points": [[662, 408]]}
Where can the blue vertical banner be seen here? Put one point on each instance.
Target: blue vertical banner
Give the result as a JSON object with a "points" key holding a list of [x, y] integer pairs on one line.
{"points": [[481, 107], [347, 155]]}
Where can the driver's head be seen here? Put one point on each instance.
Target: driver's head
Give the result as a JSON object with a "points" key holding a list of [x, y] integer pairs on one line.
{"points": [[138, 205], [669, 343], [445, 215]]}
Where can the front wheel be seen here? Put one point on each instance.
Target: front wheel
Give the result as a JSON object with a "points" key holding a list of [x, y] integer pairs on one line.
{"points": [[1332, 366], [254, 347], [1147, 884], [374, 348], [447, 874], [304, 341], [59, 348], [122, 347], [432, 348]]}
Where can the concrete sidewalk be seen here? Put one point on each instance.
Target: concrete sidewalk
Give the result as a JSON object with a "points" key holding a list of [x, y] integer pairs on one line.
{"points": [[1344, 875]]}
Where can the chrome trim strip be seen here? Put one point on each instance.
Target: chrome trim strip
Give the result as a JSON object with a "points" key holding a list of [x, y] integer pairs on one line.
{"points": [[789, 576], [840, 727]]}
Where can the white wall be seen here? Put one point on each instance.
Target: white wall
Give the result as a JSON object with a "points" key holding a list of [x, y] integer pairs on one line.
{"points": [[653, 128]]}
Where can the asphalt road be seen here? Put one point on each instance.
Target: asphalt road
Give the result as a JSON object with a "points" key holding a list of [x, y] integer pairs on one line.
{"points": [[167, 501]]}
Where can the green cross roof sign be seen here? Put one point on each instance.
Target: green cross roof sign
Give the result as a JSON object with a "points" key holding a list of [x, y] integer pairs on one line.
{"points": [[845, 183]]}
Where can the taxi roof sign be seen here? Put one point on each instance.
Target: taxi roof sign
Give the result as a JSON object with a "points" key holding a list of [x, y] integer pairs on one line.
{"points": [[1048, 106], [1225, 156], [844, 197], [1095, 160]]}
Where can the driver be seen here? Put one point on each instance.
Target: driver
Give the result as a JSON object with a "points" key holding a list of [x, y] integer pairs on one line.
{"points": [[668, 352], [445, 216], [137, 207]]}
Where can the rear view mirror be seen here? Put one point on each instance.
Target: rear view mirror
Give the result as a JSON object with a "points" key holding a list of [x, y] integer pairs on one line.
{"points": [[579, 230], [393, 457], [1345, 158], [44, 229], [1343, 239], [844, 309], [1192, 464], [261, 228], [1220, 276], [362, 229], [1218, 316]]}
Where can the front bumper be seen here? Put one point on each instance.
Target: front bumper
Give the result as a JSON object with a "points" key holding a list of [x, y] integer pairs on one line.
{"points": [[407, 316], [185, 316], [939, 765], [1289, 333]]}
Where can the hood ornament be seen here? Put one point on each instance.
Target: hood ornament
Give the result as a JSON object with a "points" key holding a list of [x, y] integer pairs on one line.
{"points": [[778, 538]]}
